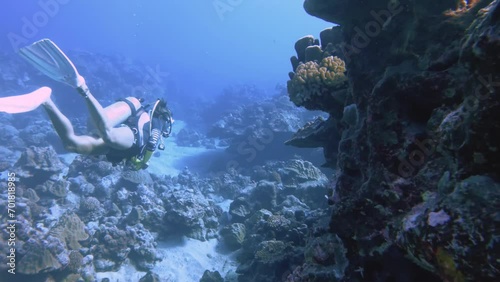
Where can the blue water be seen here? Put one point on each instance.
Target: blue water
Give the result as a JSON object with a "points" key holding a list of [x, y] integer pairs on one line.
{"points": [[204, 45]]}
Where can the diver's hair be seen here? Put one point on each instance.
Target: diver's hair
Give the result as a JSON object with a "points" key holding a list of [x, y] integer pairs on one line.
{"points": [[162, 105]]}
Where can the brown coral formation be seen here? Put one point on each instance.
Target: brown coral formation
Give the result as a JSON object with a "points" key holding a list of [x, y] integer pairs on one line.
{"points": [[313, 80], [37, 260], [70, 230]]}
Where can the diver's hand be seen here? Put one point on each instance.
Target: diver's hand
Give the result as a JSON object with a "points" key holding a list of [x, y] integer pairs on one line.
{"points": [[72, 81], [81, 86], [80, 82]]}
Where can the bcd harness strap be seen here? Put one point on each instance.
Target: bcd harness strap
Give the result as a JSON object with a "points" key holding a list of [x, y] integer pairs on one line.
{"points": [[132, 107]]}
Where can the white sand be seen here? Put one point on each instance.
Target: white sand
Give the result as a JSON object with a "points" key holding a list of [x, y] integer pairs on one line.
{"points": [[175, 158], [182, 262]]}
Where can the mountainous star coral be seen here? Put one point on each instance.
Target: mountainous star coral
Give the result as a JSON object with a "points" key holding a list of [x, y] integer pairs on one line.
{"points": [[313, 80]]}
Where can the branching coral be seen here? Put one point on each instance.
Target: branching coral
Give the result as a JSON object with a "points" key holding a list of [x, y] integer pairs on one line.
{"points": [[313, 80], [278, 221], [272, 251]]}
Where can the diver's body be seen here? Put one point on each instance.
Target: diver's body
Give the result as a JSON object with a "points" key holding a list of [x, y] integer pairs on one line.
{"points": [[125, 130], [116, 139]]}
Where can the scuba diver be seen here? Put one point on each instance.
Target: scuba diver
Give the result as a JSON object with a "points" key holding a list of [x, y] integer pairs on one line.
{"points": [[126, 130]]}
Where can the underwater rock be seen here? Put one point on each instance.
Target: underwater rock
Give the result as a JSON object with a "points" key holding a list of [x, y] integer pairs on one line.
{"points": [[240, 209], [299, 171], [264, 195], [327, 253], [80, 185], [331, 11], [331, 35], [93, 169], [432, 227], [135, 215], [294, 205], [484, 37], [272, 251], [103, 265], [58, 189], [75, 261], [302, 44], [111, 246], [70, 230], [313, 53], [38, 260], [233, 235], [319, 133], [31, 195], [230, 184], [301, 179], [90, 209], [192, 138], [106, 185], [143, 251], [312, 135], [256, 131], [211, 276], [7, 157], [38, 162], [150, 277], [9, 136], [132, 178], [258, 218], [190, 213], [143, 205], [39, 133], [416, 123]]}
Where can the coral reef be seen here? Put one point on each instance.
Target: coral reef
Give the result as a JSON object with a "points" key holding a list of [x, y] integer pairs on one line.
{"points": [[269, 252], [38, 162], [193, 138], [211, 276], [38, 260], [269, 224], [234, 235], [70, 230], [255, 132], [314, 85], [191, 212], [413, 135]]}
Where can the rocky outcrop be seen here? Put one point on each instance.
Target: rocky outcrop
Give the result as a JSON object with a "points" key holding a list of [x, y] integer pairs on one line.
{"points": [[416, 132], [190, 213], [256, 132], [270, 219], [193, 138]]}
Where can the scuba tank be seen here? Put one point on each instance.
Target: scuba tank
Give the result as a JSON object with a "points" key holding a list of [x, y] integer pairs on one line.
{"points": [[155, 138]]}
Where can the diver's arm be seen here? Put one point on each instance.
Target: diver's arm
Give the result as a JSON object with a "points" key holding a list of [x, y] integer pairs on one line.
{"points": [[114, 137], [96, 111]]}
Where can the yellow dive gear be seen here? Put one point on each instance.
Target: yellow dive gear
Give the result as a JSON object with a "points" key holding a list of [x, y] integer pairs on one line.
{"points": [[155, 139]]}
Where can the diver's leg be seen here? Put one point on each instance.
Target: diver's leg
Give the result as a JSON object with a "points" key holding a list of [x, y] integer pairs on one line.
{"points": [[120, 111], [118, 138], [64, 128]]}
